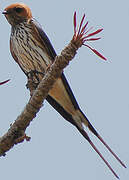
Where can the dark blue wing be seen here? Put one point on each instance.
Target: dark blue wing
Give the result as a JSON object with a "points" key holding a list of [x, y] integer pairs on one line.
{"points": [[45, 39], [52, 54]]}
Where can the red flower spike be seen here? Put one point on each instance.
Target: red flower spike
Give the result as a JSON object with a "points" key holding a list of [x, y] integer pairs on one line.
{"points": [[96, 52], [94, 33], [93, 39], [4, 82], [81, 35], [81, 24], [84, 27], [74, 21]]}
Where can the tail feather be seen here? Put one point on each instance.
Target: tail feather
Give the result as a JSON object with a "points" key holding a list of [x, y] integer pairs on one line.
{"points": [[100, 138], [92, 129], [78, 119], [85, 135], [85, 121]]}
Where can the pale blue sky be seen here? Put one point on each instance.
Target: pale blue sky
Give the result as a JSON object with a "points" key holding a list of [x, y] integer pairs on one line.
{"points": [[57, 151]]}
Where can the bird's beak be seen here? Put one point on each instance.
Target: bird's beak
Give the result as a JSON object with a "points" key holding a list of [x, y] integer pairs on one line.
{"points": [[4, 12]]}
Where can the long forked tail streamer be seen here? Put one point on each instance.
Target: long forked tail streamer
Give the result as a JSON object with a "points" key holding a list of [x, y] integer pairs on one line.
{"points": [[92, 129], [85, 135], [94, 147], [100, 138]]}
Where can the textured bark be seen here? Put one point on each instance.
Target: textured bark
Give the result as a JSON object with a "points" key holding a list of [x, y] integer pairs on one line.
{"points": [[16, 132]]}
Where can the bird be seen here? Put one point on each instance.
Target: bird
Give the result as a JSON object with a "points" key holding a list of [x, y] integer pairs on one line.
{"points": [[32, 50]]}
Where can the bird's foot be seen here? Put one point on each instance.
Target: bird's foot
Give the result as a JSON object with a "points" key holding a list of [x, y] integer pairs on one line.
{"points": [[33, 80]]}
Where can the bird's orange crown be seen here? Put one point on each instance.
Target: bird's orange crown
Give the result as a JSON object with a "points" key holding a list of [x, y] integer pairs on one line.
{"points": [[17, 11]]}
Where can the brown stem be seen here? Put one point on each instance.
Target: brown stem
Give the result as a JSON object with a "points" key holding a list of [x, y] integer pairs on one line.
{"points": [[16, 133]]}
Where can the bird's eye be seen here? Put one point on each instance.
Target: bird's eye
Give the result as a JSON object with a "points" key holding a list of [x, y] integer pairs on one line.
{"points": [[18, 10]]}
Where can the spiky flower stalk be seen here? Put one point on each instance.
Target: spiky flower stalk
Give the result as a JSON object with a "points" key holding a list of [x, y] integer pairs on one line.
{"points": [[81, 35]]}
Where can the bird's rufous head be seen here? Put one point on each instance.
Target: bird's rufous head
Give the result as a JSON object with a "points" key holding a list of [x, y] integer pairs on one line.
{"points": [[17, 13]]}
